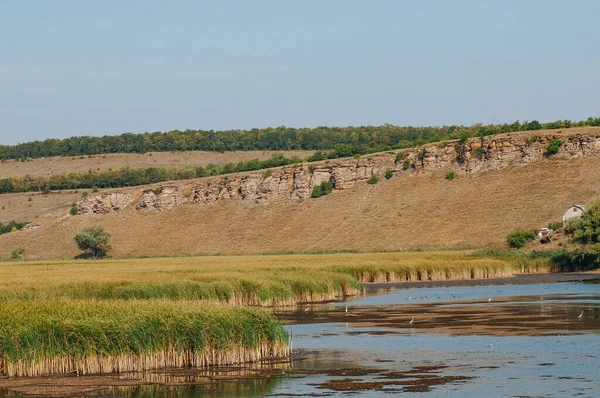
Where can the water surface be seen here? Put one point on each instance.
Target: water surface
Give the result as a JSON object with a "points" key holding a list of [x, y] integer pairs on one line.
{"points": [[496, 341]]}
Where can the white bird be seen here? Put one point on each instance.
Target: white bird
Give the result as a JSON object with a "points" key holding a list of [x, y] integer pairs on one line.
{"points": [[412, 320], [306, 310], [346, 308], [580, 315], [490, 300]]}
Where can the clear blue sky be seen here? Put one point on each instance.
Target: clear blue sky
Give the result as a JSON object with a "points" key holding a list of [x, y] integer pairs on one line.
{"points": [[108, 67]]}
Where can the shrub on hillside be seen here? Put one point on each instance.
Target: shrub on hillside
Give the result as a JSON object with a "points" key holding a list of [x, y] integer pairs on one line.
{"points": [[17, 253], [323, 189], [11, 227], [373, 180], [405, 164], [520, 237], [451, 175], [389, 174], [555, 225], [553, 146]]}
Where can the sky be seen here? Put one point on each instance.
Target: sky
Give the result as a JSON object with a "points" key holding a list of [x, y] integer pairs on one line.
{"points": [[72, 68]]}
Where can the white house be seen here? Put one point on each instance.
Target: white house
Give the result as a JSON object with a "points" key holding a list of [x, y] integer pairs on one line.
{"points": [[572, 212]]}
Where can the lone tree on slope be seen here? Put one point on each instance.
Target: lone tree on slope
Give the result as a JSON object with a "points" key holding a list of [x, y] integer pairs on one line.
{"points": [[93, 240]]}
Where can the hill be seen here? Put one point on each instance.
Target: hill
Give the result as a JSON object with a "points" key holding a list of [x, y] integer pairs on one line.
{"points": [[501, 183], [70, 164]]}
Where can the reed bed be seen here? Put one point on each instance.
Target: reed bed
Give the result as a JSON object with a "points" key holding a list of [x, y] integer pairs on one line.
{"points": [[112, 316], [271, 280], [449, 266], [91, 337]]}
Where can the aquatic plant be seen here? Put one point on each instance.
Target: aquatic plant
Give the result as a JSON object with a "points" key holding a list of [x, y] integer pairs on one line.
{"points": [[266, 280], [87, 337]]}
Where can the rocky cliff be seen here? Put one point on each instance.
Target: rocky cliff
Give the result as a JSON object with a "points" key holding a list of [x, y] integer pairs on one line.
{"points": [[297, 182]]}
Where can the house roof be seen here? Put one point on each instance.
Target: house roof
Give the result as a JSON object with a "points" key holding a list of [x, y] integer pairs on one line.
{"points": [[580, 207]]}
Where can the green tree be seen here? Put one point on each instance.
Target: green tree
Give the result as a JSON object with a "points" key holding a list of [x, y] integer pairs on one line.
{"points": [[586, 229], [93, 240]]}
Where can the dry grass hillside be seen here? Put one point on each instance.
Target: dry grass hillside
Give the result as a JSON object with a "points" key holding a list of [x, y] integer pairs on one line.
{"points": [[414, 212], [58, 164], [23, 207]]}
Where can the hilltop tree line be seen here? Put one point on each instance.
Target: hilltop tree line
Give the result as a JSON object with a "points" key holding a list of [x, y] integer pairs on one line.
{"points": [[361, 139]]}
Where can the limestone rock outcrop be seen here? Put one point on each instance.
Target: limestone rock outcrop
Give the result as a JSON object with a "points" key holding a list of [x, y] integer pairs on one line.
{"points": [[297, 182]]}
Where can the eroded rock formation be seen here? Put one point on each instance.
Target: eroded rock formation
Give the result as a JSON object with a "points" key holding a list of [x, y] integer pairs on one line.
{"points": [[297, 182]]}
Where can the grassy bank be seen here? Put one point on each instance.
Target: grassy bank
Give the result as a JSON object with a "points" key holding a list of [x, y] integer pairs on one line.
{"points": [[48, 337], [247, 280]]}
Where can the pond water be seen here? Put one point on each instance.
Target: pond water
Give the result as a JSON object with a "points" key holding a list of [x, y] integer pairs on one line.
{"points": [[500, 341]]}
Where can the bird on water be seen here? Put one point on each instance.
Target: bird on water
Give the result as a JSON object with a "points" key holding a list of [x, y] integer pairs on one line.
{"points": [[412, 320], [580, 315]]}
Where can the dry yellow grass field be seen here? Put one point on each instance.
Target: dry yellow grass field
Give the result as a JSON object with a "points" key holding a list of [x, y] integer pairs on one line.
{"points": [[404, 213], [68, 164]]}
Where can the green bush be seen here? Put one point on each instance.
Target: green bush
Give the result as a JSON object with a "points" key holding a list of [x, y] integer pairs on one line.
{"points": [[11, 227], [373, 180], [553, 146], [399, 157], [520, 237], [555, 225], [73, 210], [405, 164], [576, 260], [389, 174], [17, 253], [323, 189], [451, 175]]}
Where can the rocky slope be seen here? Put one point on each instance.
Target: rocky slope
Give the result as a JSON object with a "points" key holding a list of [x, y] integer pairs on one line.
{"points": [[297, 182], [505, 184]]}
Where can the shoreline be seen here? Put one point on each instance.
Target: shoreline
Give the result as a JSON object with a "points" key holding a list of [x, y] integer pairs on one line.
{"points": [[516, 279]]}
